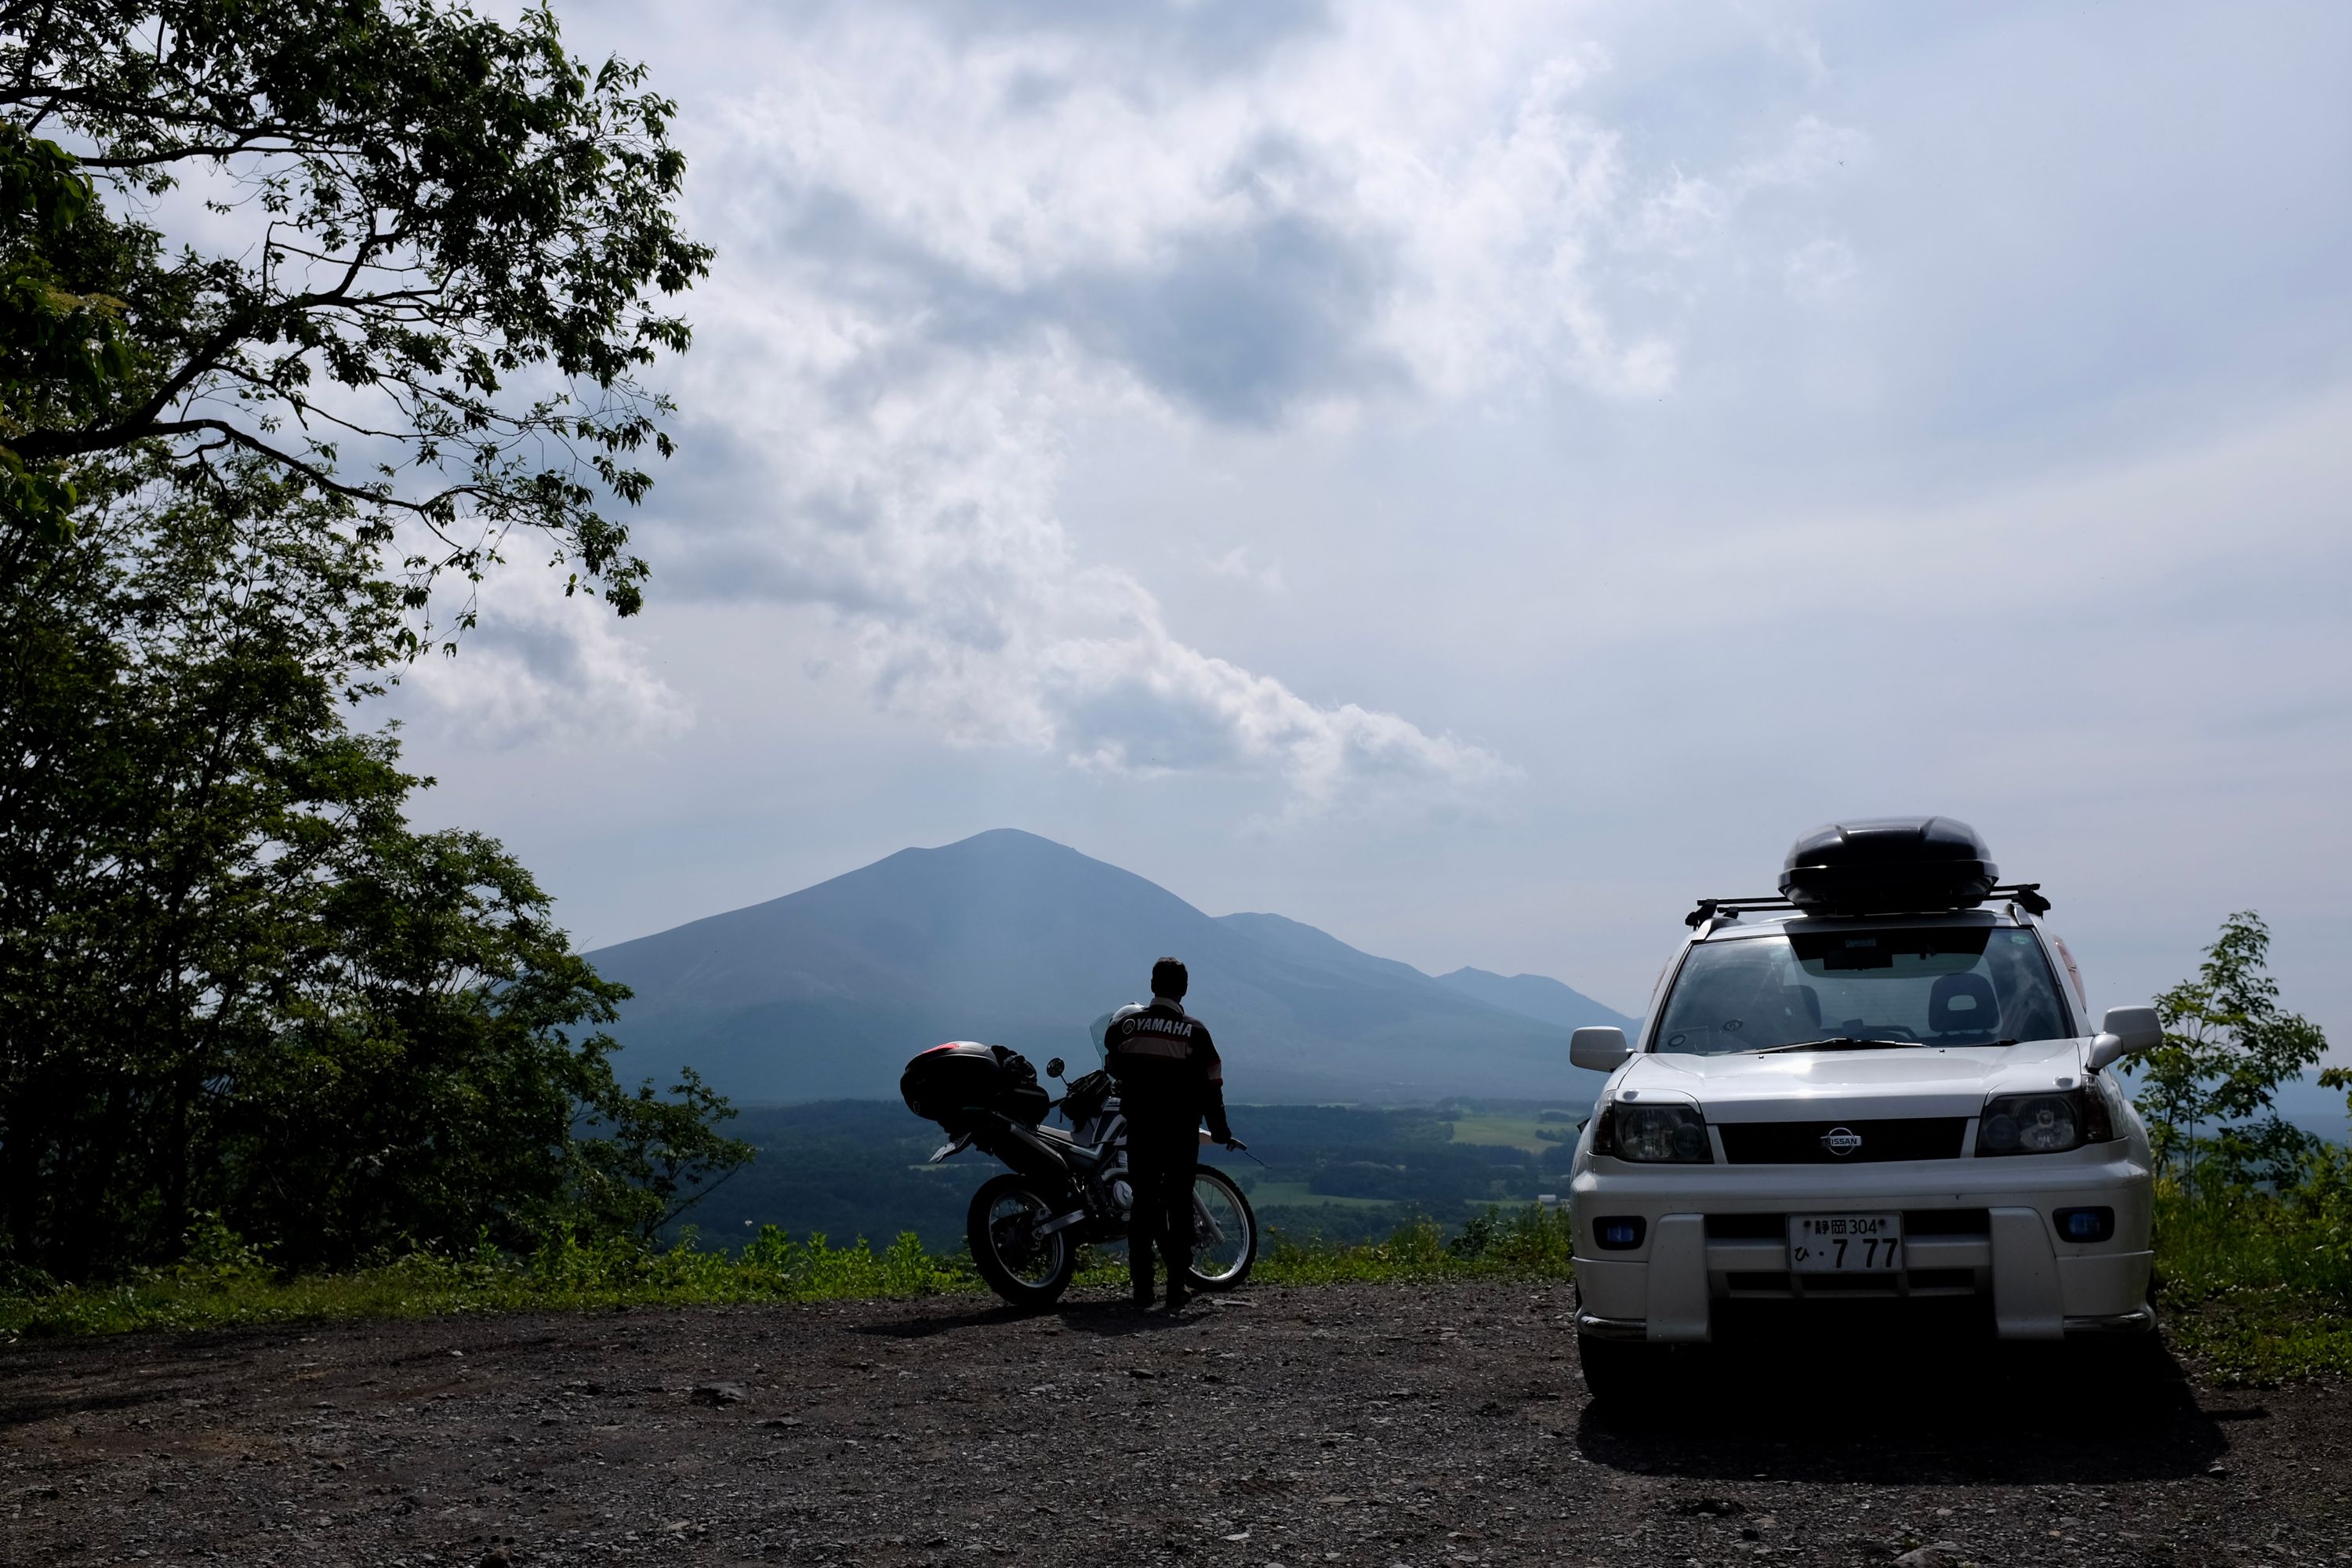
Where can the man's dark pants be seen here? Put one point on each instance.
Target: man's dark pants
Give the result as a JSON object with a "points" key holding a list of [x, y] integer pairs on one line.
{"points": [[1159, 1165]]}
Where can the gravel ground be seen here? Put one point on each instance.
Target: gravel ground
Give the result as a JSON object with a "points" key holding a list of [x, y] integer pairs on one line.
{"points": [[1350, 1425]]}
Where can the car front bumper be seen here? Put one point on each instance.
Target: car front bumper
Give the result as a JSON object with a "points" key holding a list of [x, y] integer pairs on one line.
{"points": [[1714, 1235]]}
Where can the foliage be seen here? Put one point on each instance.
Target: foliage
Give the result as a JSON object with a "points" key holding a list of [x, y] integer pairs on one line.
{"points": [[2207, 1091], [221, 1282], [226, 1284], [238, 994], [1529, 1242], [432, 242], [2338, 1078], [61, 353], [2256, 1285], [233, 980], [2253, 1216], [1346, 1172]]}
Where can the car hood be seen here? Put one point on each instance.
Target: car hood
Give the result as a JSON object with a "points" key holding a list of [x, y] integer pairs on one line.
{"points": [[1900, 1081]]}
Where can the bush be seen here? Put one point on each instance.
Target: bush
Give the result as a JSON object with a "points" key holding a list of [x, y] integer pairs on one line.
{"points": [[2258, 1285], [223, 1282], [1532, 1242]]}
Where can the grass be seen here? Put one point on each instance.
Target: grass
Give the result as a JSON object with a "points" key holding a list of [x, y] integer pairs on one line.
{"points": [[1530, 1243], [2257, 1287], [1302, 1194], [1509, 1131], [227, 1285]]}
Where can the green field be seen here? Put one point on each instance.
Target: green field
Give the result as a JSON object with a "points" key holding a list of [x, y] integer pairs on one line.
{"points": [[1301, 1195], [1514, 1131], [852, 1168]]}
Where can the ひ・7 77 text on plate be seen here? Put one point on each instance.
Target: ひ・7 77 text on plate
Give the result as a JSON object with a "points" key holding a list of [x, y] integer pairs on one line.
{"points": [[1845, 1242]]}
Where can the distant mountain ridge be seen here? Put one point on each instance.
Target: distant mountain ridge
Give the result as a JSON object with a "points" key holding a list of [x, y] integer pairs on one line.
{"points": [[1012, 938], [1536, 996]]}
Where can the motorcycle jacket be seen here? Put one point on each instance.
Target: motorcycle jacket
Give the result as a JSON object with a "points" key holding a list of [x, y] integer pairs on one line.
{"points": [[1168, 1069]]}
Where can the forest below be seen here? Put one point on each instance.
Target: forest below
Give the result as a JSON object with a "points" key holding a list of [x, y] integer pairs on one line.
{"points": [[848, 1168]]}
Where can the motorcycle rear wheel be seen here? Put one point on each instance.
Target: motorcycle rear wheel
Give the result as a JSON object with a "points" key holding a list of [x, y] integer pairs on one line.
{"points": [[1224, 1232], [1025, 1269]]}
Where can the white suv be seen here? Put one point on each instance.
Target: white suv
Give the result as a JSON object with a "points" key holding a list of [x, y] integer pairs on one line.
{"points": [[1883, 1084]]}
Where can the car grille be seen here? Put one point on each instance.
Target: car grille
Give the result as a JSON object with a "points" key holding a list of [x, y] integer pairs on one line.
{"points": [[1801, 1143]]}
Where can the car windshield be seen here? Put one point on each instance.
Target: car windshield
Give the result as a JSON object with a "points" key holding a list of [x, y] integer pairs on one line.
{"points": [[1937, 986]]}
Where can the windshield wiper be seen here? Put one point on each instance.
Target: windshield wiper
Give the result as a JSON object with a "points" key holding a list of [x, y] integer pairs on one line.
{"points": [[1834, 1043]]}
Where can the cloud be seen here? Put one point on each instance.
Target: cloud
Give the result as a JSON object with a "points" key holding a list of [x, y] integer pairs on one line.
{"points": [[1236, 565], [541, 669], [1119, 694], [1820, 270], [951, 233]]}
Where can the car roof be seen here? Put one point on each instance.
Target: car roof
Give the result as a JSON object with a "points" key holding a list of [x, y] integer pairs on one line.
{"points": [[1755, 925]]}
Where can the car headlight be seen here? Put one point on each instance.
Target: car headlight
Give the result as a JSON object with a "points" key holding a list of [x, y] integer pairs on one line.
{"points": [[1662, 1135], [2042, 1123]]}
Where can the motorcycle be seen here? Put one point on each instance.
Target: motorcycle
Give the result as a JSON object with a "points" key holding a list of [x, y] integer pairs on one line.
{"points": [[1065, 1188]]}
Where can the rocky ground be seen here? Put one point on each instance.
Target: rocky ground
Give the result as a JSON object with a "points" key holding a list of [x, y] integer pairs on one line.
{"points": [[1345, 1425]]}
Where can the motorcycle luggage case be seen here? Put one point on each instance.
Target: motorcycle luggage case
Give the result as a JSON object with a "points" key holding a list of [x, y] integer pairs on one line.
{"points": [[956, 1083]]}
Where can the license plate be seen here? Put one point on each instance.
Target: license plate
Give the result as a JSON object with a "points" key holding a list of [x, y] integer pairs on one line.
{"points": [[1845, 1242]]}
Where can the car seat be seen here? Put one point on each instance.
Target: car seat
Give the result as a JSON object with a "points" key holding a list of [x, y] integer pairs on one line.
{"points": [[1963, 1004]]}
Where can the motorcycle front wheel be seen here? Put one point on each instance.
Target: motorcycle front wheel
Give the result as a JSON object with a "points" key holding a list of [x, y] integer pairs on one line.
{"points": [[1025, 1269], [1224, 1232]]}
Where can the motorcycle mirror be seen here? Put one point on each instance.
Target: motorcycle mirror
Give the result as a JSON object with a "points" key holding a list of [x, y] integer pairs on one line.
{"points": [[1054, 1067]]}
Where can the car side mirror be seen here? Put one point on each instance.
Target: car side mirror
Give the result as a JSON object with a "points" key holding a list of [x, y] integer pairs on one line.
{"points": [[1600, 1047], [2125, 1032], [1053, 1067]]}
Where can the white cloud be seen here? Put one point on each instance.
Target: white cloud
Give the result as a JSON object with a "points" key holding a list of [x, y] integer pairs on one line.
{"points": [[1820, 270], [941, 248], [1237, 564], [1814, 151], [541, 669]]}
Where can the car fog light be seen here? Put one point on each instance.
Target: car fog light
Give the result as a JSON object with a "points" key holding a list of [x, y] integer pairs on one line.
{"points": [[2086, 1224], [1619, 1233]]}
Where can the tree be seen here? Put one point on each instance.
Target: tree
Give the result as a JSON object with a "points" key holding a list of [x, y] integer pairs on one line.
{"points": [[439, 238], [2207, 1091], [233, 980], [60, 355]]}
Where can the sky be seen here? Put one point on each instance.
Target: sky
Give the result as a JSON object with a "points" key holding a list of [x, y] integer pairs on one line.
{"points": [[1475, 479]]}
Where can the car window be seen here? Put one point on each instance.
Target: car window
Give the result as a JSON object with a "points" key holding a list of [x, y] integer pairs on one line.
{"points": [[1942, 985]]}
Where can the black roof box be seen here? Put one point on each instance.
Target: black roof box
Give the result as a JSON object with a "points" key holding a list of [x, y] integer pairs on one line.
{"points": [[1890, 865]]}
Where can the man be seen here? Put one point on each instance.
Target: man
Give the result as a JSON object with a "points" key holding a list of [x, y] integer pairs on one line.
{"points": [[1169, 1078]]}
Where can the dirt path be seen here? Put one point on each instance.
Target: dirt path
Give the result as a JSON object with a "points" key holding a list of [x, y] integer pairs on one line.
{"points": [[1351, 1425]]}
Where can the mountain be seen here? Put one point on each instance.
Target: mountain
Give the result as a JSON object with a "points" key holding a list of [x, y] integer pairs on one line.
{"points": [[1536, 996], [1011, 937]]}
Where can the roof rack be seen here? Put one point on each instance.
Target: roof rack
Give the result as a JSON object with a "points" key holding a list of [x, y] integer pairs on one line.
{"points": [[2027, 896]]}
